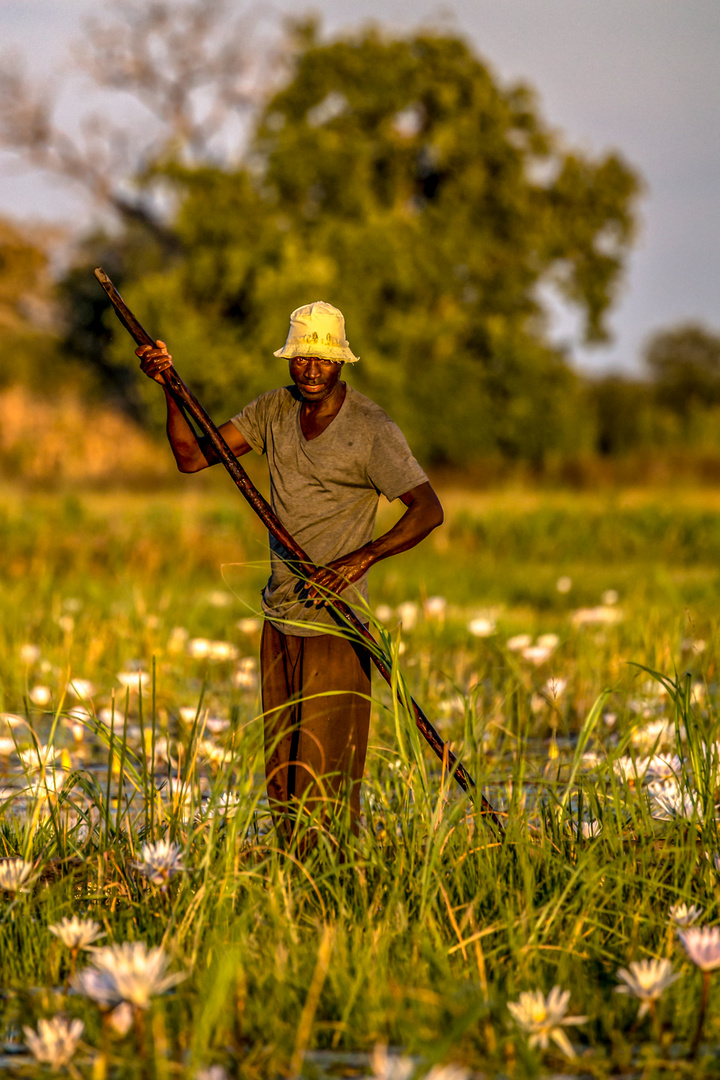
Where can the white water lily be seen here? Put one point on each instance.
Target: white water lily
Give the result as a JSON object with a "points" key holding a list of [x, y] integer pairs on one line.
{"points": [[40, 695], [660, 732], [12, 719], [544, 1018], [407, 613], [603, 615], [39, 757], [673, 804], [388, 1066], [55, 1041], [702, 944], [131, 680], [100, 986], [683, 916], [121, 1018], [646, 980], [15, 875], [214, 754], [160, 861], [518, 642], [588, 829], [77, 933], [435, 607], [128, 972], [537, 654], [81, 688]]}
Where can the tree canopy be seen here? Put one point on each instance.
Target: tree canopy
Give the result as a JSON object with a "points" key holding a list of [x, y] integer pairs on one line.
{"points": [[398, 179]]}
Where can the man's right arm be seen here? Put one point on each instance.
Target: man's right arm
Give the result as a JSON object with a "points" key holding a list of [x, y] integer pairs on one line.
{"points": [[191, 454]]}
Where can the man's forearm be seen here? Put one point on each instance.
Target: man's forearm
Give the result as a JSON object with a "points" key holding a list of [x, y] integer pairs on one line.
{"points": [[417, 522], [189, 454]]}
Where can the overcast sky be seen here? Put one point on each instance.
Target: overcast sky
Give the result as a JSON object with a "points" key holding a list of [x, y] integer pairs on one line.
{"points": [[640, 76]]}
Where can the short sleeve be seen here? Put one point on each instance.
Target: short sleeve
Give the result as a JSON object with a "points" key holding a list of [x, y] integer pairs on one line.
{"points": [[252, 422], [392, 469]]}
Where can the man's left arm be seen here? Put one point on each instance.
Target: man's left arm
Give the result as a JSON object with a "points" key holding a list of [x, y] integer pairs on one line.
{"points": [[423, 514]]}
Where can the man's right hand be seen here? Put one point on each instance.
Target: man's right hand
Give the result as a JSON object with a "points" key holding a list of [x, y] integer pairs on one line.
{"points": [[154, 361]]}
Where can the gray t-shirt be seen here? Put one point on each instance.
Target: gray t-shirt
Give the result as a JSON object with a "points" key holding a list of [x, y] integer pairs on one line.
{"points": [[325, 490]]}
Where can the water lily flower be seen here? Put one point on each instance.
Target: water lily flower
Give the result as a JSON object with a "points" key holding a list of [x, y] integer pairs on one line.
{"points": [[12, 719], [660, 732], [55, 1041], [518, 642], [216, 725], [605, 615], [218, 598], [40, 695], [161, 861], [548, 641], [131, 680], [245, 676], [223, 650], [128, 972], [702, 944], [39, 757], [199, 648], [121, 1018], [387, 1066], [537, 654], [544, 1018], [682, 915], [100, 986], [588, 829], [213, 1072], [673, 804], [15, 875], [177, 640], [646, 980], [435, 607], [77, 933], [407, 613], [448, 1072], [81, 688]]}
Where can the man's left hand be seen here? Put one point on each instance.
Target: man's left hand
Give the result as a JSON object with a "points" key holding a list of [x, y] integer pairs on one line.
{"points": [[337, 575]]}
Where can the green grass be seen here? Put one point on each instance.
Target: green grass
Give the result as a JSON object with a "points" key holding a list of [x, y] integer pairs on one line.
{"points": [[422, 930]]}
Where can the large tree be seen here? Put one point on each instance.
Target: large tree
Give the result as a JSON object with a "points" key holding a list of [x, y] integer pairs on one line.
{"points": [[684, 363], [396, 178]]}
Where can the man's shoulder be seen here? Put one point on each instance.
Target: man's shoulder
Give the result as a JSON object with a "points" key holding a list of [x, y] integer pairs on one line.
{"points": [[273, 402], [365, 409]]}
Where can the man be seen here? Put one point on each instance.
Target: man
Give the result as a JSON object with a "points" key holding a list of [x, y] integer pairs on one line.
{"points": [[331, 451]]}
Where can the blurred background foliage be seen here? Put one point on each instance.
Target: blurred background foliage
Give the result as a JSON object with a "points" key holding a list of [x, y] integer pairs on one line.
{"points": [[392, 176]]}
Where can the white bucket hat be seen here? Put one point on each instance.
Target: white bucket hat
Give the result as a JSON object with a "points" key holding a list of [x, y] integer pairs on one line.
{"points": [[318, 329]]}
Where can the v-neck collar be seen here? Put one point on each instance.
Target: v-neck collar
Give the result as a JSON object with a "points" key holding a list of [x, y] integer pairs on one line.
{"points": [[333, 421]]}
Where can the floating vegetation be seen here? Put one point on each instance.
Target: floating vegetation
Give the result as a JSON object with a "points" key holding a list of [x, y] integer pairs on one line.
{"points": [[151, 924]]}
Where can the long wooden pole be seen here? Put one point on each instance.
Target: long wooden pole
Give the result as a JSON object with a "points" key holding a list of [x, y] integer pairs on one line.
{"points": [[186, 400]]}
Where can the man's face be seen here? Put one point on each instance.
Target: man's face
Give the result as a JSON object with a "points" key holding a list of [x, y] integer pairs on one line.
{"points": [[315, 378]]}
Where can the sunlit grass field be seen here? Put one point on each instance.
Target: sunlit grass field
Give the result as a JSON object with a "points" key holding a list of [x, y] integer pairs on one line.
{"points": [[528, 628]]}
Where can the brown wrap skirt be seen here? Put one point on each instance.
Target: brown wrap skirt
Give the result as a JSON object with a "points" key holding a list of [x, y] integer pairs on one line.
{"points": [[316, 706]]}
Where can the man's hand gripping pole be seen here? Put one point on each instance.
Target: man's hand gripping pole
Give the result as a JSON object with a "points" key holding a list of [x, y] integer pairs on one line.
{"points": [[189, 404]]}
